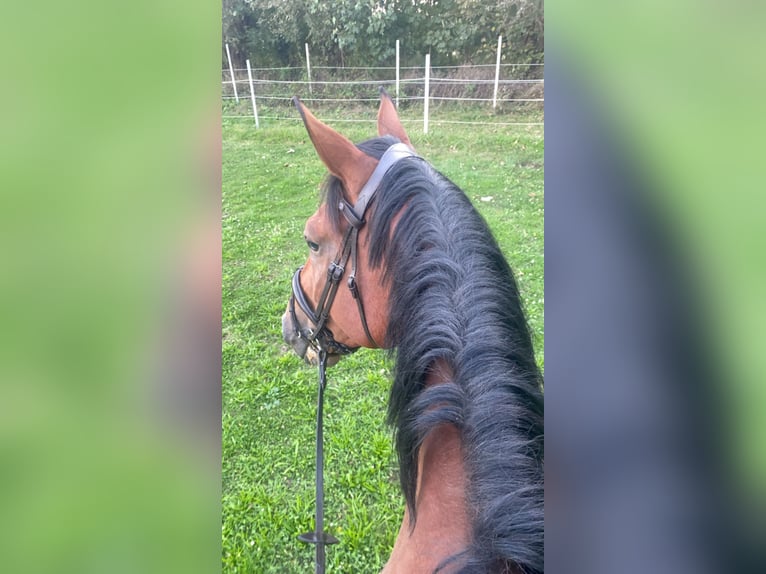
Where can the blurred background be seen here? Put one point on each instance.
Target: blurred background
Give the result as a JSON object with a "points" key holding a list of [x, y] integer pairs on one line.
{"points": [[110, 285], [654, 221]]}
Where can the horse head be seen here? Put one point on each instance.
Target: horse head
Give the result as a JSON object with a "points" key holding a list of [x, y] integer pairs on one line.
{"points": [[338, 301]]}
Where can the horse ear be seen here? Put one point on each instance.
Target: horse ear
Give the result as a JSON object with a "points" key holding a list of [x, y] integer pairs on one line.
{"points": [[388, 120], [342, 158]]}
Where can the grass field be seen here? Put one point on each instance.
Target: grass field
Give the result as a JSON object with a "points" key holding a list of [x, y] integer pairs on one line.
{"points": [[271, 179]]}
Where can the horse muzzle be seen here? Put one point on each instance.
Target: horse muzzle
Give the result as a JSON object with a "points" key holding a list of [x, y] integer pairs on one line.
{"points": [[292, 333]]}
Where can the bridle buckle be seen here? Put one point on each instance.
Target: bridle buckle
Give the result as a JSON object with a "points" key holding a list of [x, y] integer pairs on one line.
{"points": [[353, 287], [335, 272]]}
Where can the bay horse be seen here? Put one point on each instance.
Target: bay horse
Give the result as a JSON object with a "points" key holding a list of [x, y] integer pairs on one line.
{"points": [[400, 259]]}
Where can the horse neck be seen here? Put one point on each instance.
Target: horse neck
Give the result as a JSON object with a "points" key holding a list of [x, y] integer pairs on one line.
{"points": [[442, 529], [441, 476]]}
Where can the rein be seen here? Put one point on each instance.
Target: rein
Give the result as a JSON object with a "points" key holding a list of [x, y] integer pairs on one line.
{"points": [[319, 537], [321, 338]]}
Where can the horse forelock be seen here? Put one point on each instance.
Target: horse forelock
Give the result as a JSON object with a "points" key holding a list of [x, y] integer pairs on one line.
{"points": [[453, 298]]}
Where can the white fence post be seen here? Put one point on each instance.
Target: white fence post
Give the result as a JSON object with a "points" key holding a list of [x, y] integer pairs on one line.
{"points": [[425, 99], [308, 67], [397, 73], [497, 69], [231, 73], [252, 93]]}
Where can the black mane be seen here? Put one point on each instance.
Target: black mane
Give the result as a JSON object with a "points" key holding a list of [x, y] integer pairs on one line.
{"points": [[454, 298]]}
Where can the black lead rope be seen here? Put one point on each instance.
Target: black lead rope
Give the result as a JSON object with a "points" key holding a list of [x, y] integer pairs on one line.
{"points": [[319, 537]]}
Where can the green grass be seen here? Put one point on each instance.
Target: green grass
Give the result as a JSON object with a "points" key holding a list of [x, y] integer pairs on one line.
{"points": [[271, 178]]}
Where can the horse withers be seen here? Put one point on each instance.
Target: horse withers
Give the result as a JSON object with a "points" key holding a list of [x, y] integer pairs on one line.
{"points": [[400, 259]]}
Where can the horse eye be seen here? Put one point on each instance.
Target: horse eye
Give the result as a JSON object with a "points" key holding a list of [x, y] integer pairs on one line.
{"points": [[313, 246]]}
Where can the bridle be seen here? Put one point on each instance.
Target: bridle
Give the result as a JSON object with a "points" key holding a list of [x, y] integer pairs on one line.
{"points": [[321, 338], [319, 335]]}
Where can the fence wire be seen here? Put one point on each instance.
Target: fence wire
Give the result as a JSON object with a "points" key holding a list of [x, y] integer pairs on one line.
{"points": [[519, 99]]}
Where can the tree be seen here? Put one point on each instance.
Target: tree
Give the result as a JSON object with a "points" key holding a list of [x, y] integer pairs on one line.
{"points": [[363, 32]]}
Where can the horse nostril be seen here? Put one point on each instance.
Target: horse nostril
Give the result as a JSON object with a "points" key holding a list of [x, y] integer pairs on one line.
{"points": [[289, 335], [288, 331]]}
